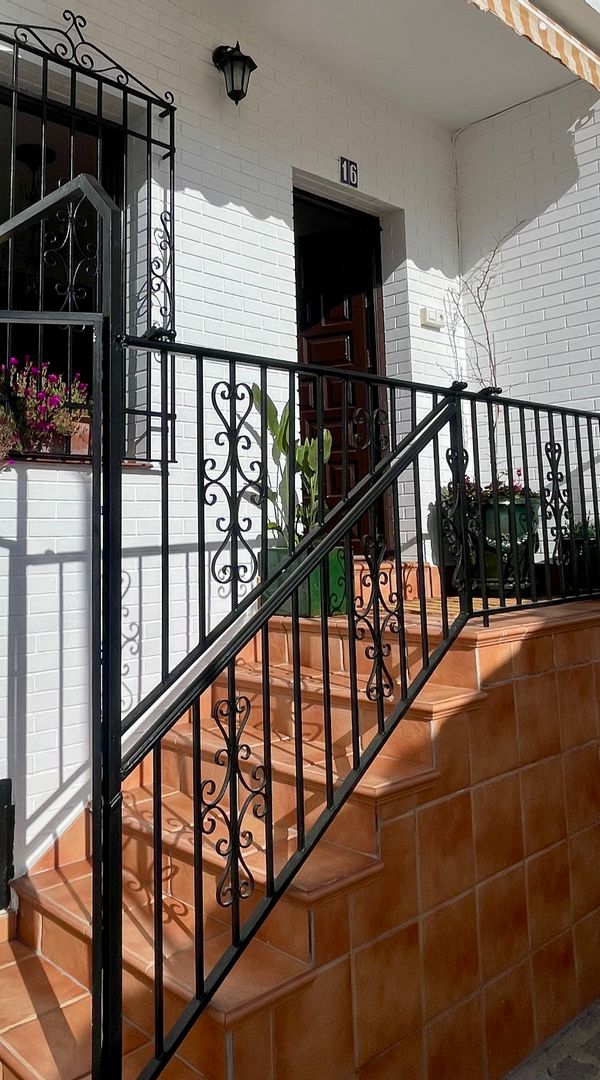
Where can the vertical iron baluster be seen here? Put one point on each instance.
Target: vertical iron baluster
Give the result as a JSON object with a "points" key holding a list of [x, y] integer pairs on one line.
{"points": [[321, 477], [594, 480], [543, 503], [345, 386], [198, 854], [512, 515], [164, 517], [159, 1025], [291, 471], [397, 554], [480, 534], [438, 522], [171, 302], [148, 279], [297, 710], [570, 515], [496, 510], [557, 510], [419, 541], [327, 726], [264, 478], [96, 705], [200, 457], [266, 719], [70, 233], [41, 306], [350, 601], [233, 484], [234, 840], [531, 533], [584, 512], [12, 191]]}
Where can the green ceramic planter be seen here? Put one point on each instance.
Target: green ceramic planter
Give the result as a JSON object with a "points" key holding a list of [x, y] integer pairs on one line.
{"points": [[309, 593], [525, 535]]}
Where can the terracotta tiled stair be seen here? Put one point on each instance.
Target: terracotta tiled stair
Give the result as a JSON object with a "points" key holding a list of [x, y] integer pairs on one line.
{"points": [[54, 921], [356, 888]]}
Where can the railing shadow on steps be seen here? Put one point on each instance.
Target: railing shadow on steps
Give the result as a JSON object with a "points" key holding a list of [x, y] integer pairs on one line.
{"points": [[278, 697]]}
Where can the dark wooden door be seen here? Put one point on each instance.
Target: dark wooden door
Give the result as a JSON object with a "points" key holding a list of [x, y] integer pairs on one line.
{"points": [[337, 257]]}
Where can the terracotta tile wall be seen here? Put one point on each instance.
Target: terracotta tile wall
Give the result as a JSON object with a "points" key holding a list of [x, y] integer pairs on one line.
{"points": [[482, 937]]}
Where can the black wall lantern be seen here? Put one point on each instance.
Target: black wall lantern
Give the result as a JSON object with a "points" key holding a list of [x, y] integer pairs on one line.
{"points": [[236, 68]]}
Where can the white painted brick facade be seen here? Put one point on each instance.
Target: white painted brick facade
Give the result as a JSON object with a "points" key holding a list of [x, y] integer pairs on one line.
{"points": [[235, 289]]}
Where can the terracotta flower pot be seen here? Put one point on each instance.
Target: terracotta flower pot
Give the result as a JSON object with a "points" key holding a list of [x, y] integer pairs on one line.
{"points": [[81, 437]]}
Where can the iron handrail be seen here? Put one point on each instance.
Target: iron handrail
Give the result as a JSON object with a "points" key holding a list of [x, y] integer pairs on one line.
{"points": [[300, 567], [130, 341]]}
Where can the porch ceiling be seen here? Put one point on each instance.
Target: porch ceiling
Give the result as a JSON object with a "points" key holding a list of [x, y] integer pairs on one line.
{"points": [[443, 59]]}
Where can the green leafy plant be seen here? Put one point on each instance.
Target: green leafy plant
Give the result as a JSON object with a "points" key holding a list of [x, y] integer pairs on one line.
{"points": [[304, 456], [584, 530]]}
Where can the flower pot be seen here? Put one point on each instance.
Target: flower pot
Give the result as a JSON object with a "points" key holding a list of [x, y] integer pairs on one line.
{"points": [[587, 556], [309, 592], [524, 542], [81, 437]]}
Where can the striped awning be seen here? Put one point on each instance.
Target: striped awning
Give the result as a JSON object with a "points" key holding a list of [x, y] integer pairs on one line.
{"points": [[532, 23]]}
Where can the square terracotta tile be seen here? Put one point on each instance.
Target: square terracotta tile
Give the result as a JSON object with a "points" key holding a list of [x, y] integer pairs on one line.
{"points": [[455, 1044], [578, 706], [586, 936], [330, 929], [573, 646], [451, 755], [533, 655], [548, 893], [555, 985], [537, 717], [503, 922], [584, 860], [32, 988], [403, 1062], [495, 663], [308, 1024], [493, 734], [450, 954], [497, 825], [390, 899], [387, 992], [445, 847], [544, 818], [582, 787], [251, 1046], [509, 1021]]}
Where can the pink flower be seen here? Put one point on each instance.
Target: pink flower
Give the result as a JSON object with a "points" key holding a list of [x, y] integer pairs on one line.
{"points": [[34, 370], [53, 378], [41, 394], [27, 392], [54, 401], [13, 361]]}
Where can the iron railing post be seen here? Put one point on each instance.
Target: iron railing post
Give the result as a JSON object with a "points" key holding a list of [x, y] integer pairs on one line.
{"points": [[463, 579], [108, 863]]}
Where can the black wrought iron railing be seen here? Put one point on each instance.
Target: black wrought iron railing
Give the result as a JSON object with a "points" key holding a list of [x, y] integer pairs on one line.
{"points": [[304, 493]]}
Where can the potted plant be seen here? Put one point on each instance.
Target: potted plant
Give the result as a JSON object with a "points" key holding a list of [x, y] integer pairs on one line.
{"points": [[283, 530], [46, 410], [516, 529], [587, 554]]}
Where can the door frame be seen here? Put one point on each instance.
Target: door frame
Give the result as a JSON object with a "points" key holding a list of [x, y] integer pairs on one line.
{"points": [[375, 312]]}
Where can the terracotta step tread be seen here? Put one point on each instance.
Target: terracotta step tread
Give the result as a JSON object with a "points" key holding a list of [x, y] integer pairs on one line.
{"points": [[262, 973], [45, 1023], [433, 698], [328, 868], [386, 776]]}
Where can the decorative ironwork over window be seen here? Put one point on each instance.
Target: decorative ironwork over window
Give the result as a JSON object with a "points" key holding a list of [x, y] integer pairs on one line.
{"points": [[67, 107]]}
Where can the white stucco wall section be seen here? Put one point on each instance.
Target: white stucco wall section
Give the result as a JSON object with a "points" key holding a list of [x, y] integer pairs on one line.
{"points": [[538, 165]]}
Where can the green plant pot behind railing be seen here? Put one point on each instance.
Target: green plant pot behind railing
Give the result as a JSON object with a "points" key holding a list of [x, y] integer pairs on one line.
{"points": [[518, 543], [309, 592], [303, 462]]}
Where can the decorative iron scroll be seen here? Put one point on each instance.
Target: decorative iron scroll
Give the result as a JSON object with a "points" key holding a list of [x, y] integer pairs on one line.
{"points": [[71, 46], [452, 525], [556, 505], [130, 643], [370, 428], [377, 613], [72, 255], [231, 482], [245, 793]]}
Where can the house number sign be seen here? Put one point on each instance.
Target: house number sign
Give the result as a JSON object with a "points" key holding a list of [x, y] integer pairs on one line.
{"points": [[349, 172]]}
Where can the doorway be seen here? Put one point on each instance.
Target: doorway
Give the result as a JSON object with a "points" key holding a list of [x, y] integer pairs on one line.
{"points": [[340, 325]]}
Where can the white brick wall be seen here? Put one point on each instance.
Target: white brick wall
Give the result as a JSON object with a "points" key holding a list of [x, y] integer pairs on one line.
{"points": [[235, 289], [539, 164]]}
